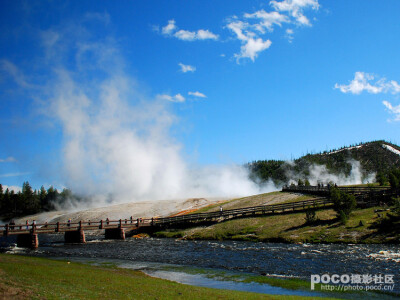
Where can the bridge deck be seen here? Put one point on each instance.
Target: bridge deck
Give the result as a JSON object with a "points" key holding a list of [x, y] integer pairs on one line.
{"points": [[366, 196]]}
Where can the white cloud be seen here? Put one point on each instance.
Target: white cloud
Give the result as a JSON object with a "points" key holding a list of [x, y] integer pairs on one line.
{"points": [[362, 82], [238, 27], [197, 94], [295, 9], [8, 159], [251, 45], [268, 19], [393, 110], [185, 35], [169, 28], [250, 32], [172, 30], [176, 98], [187, 68], [206, 34]]}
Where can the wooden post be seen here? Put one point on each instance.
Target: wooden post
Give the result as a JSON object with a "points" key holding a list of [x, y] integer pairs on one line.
{"points": [[82, 238], [35, 241], [7, 229], [101, 224], [58, 227], [120, 223]]}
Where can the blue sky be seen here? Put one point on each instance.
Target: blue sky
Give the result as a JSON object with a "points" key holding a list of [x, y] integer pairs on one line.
{"points": [[209, 82]]}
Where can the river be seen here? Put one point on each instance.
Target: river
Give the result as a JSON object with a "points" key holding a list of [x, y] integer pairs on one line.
{"points": [[179, 259]]}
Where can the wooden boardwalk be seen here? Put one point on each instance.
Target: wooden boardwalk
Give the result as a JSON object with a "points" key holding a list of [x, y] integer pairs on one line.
{"points": [[115, 229]]}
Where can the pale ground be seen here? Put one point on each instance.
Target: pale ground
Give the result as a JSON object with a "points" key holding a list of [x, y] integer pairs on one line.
{"points": [[160, 208], [256, 200], [145, 209]]}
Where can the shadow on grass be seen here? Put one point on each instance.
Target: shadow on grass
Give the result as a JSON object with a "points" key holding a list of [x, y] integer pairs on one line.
{"points": [[331, 223], [387, 227]]}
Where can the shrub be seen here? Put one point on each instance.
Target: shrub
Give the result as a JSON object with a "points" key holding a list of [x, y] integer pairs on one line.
{"points": [[343, 204], [310, 215]]}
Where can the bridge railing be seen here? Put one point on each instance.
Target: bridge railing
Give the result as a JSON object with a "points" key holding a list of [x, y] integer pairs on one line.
{"points": [[72, 226], [351, 190]]}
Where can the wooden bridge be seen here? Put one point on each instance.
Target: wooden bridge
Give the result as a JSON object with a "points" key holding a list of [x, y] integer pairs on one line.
{"points": [[325, 190], [27, 234]]}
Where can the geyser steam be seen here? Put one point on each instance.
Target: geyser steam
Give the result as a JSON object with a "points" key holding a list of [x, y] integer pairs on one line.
{"points": [[113, 147]]}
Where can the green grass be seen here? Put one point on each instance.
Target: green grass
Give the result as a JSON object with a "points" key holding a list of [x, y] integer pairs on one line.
{"points": [[40, 278]]}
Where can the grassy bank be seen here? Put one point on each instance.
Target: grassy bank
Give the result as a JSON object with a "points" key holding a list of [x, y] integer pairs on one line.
{"points": [[364, 226], [39, 278]]}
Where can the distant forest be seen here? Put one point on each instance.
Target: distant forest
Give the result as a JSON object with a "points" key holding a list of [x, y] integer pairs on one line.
{"points": [[372, 156], [29, 201]]}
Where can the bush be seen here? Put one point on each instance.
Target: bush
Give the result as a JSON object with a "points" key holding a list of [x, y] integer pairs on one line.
{"points": [[310, 215], [343, 204]]}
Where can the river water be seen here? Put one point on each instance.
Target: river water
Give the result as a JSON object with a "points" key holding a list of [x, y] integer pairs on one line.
{"points": [[179, 259]]}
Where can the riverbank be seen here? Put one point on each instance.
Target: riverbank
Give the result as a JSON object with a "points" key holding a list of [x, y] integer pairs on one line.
{"points": [[364, 226], [39, 278]]}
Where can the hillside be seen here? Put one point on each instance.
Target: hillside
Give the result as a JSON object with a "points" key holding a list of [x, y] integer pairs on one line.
{"points": [[347, 165]]}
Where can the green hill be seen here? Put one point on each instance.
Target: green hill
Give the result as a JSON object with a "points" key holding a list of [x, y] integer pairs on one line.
{"points": [[369, 159]]}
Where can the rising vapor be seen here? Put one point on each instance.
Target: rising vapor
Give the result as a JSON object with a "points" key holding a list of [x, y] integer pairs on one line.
{"points": [[117, 145]]}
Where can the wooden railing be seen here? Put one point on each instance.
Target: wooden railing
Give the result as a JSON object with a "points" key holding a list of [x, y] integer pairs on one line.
{"points": [[9, 229], [365, 196], [350, 190]]}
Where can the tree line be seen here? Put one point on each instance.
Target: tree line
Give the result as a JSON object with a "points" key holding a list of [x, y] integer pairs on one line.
{"points": [[29, 201]]}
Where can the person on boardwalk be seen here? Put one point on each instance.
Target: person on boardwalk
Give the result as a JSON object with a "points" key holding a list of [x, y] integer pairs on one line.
{"points": [[69, 222], [27, 224], [220, 210]]}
